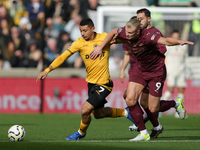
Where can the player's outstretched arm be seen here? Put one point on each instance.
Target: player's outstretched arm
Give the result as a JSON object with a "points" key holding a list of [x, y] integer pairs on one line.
{"points": [[98, 50], [172, 42], [126, 60], [56, 63]]}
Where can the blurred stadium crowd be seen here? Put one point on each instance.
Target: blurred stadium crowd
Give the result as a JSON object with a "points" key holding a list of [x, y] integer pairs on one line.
{"points": [[30, 27], [34, 32]]}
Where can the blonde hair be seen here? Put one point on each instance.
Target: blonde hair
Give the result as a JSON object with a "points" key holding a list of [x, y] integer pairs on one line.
{"points": [[133, 23]]}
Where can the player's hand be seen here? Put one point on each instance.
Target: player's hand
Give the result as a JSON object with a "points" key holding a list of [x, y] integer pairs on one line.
{"points": [[115, 39], [42, 76], [122, 76], [97, 51], [186, 42]]}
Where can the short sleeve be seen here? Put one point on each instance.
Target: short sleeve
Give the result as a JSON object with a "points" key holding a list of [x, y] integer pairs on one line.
{"points": [[151, 38], [125, 47], [121, 32]]}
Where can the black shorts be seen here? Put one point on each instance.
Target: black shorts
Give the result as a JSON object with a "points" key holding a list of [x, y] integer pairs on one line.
{"points": [[98, 93]]}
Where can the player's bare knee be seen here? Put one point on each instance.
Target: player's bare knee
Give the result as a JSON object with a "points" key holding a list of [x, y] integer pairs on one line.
{"points": [[130, 101], [98, 116], [85, 112], [154, 109]]}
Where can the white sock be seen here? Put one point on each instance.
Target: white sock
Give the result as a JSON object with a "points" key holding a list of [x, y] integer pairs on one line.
{"points": [[126, 113], [181, 95], [145, 132], [158, 127], [81, 133]]}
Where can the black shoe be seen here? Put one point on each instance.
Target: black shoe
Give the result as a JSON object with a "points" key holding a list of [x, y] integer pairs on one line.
{"points": [[155, 133]]}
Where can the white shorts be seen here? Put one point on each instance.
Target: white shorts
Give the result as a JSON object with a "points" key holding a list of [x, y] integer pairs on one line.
{"points": [[176, 80]]}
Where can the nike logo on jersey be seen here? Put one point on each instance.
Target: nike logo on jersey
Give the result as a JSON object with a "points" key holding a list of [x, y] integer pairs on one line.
{"points": [[102, 89]]}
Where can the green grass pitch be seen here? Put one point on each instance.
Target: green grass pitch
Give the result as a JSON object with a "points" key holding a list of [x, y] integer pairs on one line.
{"points": [[48, 132]]}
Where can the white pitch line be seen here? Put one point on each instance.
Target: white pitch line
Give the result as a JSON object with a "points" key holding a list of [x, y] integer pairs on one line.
{"points": [[125, 141], [105, 141]]}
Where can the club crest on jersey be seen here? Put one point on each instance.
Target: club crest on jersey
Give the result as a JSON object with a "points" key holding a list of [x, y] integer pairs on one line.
{"points": [[95, 45], [157, 32]]}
